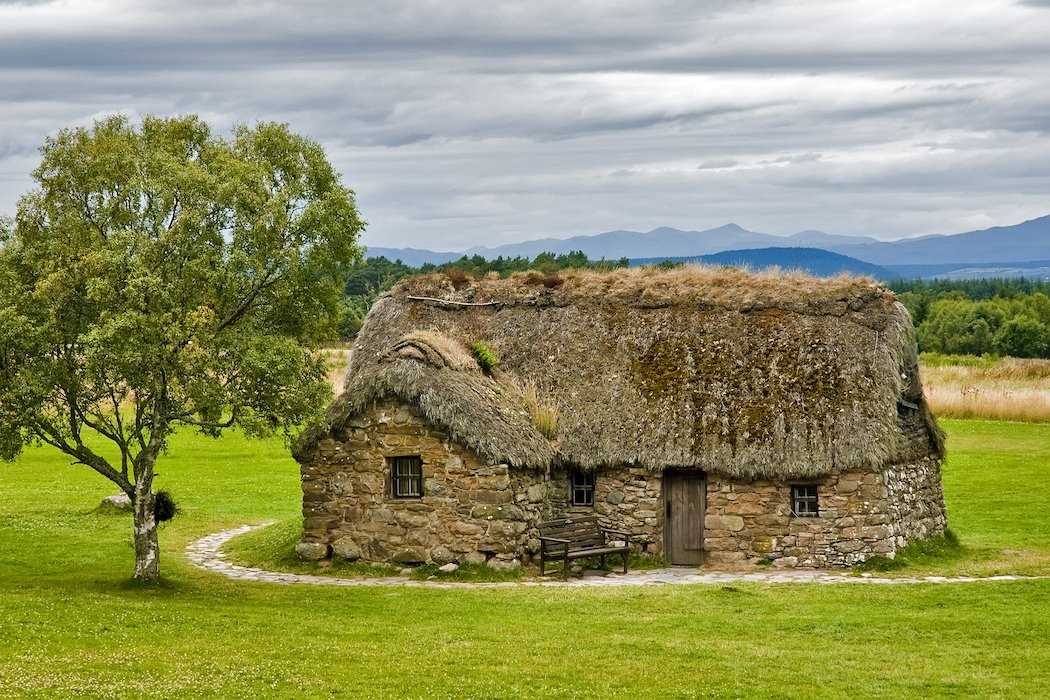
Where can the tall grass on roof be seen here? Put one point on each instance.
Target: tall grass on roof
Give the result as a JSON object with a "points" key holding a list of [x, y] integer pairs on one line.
{"points": [[542, 408]]}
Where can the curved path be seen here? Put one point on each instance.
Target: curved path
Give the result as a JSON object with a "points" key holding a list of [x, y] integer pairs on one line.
{"points": [[206, 553]]}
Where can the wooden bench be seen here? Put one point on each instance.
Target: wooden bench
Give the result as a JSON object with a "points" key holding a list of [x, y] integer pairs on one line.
{"points": [[576, 537]]}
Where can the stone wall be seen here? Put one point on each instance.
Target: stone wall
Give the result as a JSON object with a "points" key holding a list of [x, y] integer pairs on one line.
{"points": [[916, 501], [471, 511], [860, 516], [628, 499]]}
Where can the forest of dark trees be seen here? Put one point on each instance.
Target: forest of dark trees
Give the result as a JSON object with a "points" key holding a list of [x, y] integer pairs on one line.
{"points": [[979, 317]]}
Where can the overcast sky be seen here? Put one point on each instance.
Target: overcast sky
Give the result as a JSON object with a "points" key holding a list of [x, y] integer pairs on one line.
{"points": [[462, 123]]}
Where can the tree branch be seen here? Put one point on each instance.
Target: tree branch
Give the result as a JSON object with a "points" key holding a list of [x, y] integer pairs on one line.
{"points": [[174, 211], [228, 423], [83, 455]]}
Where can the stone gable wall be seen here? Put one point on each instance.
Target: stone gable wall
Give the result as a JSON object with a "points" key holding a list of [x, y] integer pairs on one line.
{"points": [[916, 501]]}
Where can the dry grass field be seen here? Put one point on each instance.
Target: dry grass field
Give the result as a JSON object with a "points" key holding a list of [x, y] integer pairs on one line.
{"points": [[992, 389]]}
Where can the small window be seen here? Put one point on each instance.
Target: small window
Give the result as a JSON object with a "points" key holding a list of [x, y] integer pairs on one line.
{"points": [[582, 488], [804, 501], [406, 477]]}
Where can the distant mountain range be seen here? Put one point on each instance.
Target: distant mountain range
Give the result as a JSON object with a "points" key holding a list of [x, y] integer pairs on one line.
{"points": [[613, 245], [1004, 245], [815, 261], [1036, 269]]}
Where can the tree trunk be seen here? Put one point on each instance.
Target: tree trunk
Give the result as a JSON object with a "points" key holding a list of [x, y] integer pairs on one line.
{"points": [[147, 551]]}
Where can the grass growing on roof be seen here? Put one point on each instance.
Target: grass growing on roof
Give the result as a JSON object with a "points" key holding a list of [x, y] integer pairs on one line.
{"points": [[486, 356], [633, 356], [71, 627], [543, 410], [729, 287]]}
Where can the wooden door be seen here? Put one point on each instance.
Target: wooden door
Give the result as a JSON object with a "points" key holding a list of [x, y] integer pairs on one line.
{"points": [[684, 505]]}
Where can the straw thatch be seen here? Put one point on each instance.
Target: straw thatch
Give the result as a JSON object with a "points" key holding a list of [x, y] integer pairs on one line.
{"points": [[753, 376], [442, 379]]}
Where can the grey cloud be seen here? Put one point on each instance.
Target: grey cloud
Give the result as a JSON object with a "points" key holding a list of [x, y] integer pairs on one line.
{"points": [[717, 164], [795, 158], [460, 124]]}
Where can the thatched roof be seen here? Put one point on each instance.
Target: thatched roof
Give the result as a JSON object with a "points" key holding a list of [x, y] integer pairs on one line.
{"points": [[443, 380], [752, 376]]}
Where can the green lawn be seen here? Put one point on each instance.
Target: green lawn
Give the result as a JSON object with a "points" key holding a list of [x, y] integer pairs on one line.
{"points": [[70, 624]]}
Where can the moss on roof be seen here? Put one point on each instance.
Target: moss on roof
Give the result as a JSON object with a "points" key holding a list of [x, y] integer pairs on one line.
{"points": [[753, 376]]}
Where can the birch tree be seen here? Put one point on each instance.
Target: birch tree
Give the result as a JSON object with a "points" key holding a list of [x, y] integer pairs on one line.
{"points": [[159, 277]]}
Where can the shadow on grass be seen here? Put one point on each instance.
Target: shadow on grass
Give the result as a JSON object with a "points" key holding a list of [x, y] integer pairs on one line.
{"points": [[161, 587]]}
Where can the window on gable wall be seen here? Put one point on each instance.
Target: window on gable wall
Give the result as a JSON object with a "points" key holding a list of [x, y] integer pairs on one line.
{"points": [[804, 501], [582, 488], [406, 477]]}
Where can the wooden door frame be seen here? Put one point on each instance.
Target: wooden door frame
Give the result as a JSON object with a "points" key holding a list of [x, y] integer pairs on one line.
{"points": [[678, 473]]}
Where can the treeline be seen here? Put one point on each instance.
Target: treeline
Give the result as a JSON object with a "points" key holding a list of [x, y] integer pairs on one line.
{"points": [[980, 317], [376, 275]]}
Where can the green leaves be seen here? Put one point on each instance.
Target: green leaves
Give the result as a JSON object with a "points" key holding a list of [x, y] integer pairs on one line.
{"points": [[160, 275], [486, 356], [1023, 336]]}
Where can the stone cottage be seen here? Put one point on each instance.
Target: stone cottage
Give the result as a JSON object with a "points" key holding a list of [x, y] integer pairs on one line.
{"points": [[720, 417]]}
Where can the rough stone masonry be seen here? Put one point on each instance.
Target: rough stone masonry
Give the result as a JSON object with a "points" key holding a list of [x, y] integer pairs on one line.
{"points": [[476, 512]]}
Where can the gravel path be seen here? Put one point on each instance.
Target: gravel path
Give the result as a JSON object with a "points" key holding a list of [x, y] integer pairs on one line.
{"points": [[206, 553]]}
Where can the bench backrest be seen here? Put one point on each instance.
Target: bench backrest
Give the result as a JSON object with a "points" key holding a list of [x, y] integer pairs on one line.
{"points": [[581, 530]]}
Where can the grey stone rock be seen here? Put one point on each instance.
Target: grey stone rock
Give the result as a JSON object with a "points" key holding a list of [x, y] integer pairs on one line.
{"points": [[461, 528], [120, 503], [488, 511], [448, 568], [346, 549], [442, 555], [311, 551], [475, 558], [848, 546], [499, 565], [411, 520], [409, 555], [615, 497], [733, 523], [434, 487]]}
